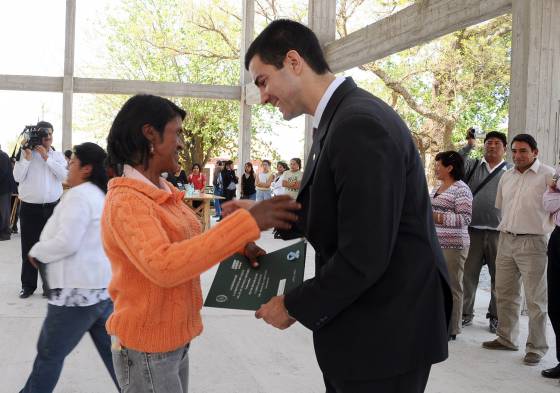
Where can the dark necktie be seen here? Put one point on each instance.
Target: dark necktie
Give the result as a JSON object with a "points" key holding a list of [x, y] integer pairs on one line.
{"points": [[314, 133]]}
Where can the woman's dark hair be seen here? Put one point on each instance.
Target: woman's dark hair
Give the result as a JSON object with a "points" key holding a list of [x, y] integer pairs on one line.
{"points": [[298, 161], [197, 166], [126, 144], [91, 154], [68, 154], [283, 35], [283, 165], [251, 172], [228, 163], [528, 139], [453, 158]]}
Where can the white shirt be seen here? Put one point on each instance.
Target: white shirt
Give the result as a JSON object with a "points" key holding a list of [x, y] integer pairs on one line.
{"points": [[520, 198], [40, 181], [490, 170], [277, 188], [70, 243], [325, 100]]}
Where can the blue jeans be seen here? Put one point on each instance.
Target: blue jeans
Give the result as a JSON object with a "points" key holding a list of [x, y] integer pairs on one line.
{"points": [[263, 195], [62, 330], [252, 197], [217, 206], [139, 372]]}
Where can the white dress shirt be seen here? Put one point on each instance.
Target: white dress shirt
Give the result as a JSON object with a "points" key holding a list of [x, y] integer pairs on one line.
{"points": [[325, 100], [40, 181], [70, 243], [520, 197]]}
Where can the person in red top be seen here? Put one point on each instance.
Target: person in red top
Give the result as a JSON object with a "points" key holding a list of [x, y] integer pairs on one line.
{"points": [[197, 178]]}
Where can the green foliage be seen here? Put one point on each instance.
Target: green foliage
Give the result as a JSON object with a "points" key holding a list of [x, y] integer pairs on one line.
{"points": [[180, 41]]}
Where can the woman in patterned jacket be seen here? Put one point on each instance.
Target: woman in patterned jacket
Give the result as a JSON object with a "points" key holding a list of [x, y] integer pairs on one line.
{"points": [[452, 213]]}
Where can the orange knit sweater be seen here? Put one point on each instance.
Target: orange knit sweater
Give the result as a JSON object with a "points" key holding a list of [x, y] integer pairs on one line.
{"points": [[157, 253]]}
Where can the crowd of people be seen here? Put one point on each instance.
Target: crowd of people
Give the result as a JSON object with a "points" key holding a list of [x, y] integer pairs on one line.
{"points": [[121, 259], [488, 212]]}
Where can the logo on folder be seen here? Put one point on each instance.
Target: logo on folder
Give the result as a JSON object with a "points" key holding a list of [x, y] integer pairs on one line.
{"points": [[293, 255]]}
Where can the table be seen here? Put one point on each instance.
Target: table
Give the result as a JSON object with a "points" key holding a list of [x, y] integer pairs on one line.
{"points": [[202, 211]]}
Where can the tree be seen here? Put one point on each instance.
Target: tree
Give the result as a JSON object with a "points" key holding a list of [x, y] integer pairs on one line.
{"points": [[182, 41], [443, 87]]}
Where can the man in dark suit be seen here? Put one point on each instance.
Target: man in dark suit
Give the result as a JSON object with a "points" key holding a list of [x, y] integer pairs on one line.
{"points": [[379, 303]]}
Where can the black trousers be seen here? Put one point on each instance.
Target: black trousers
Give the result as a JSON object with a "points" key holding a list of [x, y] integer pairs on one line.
{"points": [[553, 282], [33, 218], [412, 382], [5, 214], [229, 195]]}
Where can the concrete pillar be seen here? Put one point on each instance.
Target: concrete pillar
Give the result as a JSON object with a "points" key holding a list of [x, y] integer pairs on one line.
{"points": [[535, 75], [244, 154], [322, 20], [68, 80]]}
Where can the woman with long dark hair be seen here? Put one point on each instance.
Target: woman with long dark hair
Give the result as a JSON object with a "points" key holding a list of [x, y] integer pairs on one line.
{"points": [[248, 190], [77, 271]]}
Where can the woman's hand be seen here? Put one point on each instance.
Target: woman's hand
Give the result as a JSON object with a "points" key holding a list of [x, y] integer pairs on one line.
{"points": [[252, 251], [33, 261]]}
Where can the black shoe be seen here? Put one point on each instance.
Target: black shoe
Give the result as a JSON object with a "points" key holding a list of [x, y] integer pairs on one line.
{"points": [[493, 325], [467, 320], [452, 337], [553, 372], [25, 293], [14, 230], [219, 219], [5, 237]]}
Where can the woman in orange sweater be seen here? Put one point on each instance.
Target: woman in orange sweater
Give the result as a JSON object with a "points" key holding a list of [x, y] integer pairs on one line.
{"points": [[157, 250]]}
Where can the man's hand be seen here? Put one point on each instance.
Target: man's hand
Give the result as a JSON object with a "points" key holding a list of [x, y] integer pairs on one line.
{"points": [[252, 251], [42, 151], [33, 261], [27, 154], [274, 313], [231, 206]]}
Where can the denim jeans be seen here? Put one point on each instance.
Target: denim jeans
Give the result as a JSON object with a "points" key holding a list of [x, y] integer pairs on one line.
{"points": [[217, 206], [263, 195], [62, 330], [251, 197], [165, 372]]}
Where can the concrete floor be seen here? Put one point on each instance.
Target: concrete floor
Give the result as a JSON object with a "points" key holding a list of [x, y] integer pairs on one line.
{"points": [[238, 354]]}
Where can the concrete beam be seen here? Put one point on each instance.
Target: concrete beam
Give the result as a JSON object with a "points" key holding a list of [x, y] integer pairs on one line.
{"points": [[534, 106], [31, 83], [412, 26]]}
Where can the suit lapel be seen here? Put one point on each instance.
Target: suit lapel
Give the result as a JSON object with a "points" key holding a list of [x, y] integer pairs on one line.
{"points": [[311, 160]]}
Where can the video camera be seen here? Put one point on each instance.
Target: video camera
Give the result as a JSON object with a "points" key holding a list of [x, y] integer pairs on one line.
{"points": [[33, 136]]}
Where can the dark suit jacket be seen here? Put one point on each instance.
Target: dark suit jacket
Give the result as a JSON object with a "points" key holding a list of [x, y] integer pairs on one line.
{"points": [[379, 303]]}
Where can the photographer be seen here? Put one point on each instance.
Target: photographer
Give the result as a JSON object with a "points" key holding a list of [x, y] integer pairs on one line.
{"points": [[40, 172]]}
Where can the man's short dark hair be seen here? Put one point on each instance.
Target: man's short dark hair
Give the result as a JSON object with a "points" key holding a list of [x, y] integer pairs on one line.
{"points": [[498, 135], [68, 154], [283, 35], [528, 139], [45, 124], [268, 162], [453, 158]]}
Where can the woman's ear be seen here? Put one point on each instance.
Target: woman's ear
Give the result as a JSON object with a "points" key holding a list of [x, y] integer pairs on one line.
{"points": [[150, 133], [85, 171]]}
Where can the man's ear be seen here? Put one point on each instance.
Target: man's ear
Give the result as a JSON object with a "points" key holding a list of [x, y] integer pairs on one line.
{"points": [[294, 61]]}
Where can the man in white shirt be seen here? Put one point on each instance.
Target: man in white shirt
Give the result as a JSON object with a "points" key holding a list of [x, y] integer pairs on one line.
{"points": [[522, 250], [40, 172]]}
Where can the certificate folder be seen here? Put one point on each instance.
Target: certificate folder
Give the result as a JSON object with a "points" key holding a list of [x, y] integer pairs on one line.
{"points": [[238, 286]]}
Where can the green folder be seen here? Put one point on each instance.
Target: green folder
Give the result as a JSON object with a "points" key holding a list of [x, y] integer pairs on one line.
{"points": [[238, 286]]}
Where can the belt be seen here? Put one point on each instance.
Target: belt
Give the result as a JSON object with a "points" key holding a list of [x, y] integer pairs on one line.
{"points": [[520, 234], [42, 205]]}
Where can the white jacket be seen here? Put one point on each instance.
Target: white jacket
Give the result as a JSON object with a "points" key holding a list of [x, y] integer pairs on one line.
{"points": [[70, 243]]}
